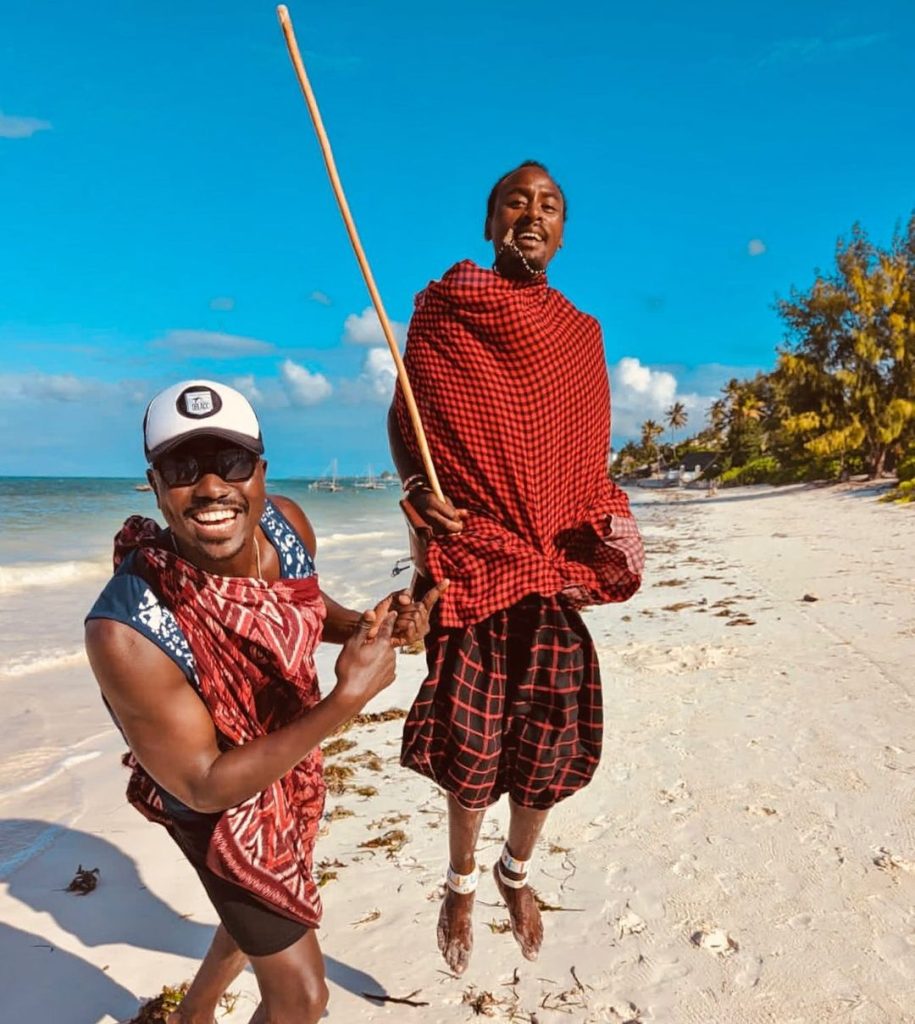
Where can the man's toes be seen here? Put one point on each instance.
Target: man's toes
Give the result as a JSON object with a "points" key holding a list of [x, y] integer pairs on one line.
{"points": [[455, 937], [457, 955], [530, 945]]}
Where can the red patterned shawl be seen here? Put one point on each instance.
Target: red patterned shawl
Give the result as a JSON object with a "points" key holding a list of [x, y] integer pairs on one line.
{"points": [[253, 644], [511, 382]]}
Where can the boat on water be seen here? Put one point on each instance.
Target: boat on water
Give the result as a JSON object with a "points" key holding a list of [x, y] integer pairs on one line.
{"points": [[328, 482], [369, 482]]}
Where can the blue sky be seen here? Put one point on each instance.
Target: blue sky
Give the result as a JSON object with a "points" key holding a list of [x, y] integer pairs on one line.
{"points": [[165, 212]]}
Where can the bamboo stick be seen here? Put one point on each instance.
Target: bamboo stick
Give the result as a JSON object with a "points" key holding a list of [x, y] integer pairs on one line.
{"points": [[311, 103]]}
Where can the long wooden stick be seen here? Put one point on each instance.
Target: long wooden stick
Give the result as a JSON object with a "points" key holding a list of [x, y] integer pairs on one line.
{"points": [[296, 58]]}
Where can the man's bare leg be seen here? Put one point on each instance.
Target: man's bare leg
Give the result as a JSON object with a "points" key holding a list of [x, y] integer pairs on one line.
{"points": [[525, 826], [221, 966], [455, 925], [292, 985]]}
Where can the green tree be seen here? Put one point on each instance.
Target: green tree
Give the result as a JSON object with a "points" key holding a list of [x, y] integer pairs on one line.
{"points": [[847, 377], [676, 417], [651, 431]]}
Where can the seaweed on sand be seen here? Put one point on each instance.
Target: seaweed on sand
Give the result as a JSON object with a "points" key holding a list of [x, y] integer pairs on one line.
{"points": [[84, 881], [393, 841], [157, 1009]]}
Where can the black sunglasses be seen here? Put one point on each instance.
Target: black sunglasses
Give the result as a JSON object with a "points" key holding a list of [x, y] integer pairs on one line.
{"points": [[230, 464]]}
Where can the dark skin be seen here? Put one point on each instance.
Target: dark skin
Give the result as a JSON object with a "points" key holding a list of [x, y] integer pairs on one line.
{"points": [[215, 525], [526, 229]]}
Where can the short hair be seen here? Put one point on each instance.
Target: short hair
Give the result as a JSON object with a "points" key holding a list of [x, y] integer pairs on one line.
{"points": [[491, 201]]}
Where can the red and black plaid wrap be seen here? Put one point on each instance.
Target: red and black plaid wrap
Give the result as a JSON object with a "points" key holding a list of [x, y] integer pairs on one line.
{"points": [[511, 383], [512, 705], [253, 643]]}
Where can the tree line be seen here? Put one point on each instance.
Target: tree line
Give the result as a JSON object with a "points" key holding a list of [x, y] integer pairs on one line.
{"points": [[841, 398]]}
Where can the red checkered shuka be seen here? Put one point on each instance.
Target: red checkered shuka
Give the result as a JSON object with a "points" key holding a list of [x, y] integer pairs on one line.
{"points": [[511, 383], [511, 705], [253, 643]]}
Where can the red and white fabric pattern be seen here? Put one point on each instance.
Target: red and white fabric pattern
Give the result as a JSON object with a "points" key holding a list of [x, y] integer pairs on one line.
{"points": [[253, 643], [511, 382]]}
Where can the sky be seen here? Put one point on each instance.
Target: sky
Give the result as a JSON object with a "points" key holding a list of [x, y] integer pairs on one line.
{"points": [[165, 213]]}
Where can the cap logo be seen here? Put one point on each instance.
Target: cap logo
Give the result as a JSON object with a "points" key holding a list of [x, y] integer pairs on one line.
{"points": [[198, 403]]}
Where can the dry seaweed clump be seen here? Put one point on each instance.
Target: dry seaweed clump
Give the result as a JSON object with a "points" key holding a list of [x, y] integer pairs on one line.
{"points": [[338, 812], [500, 927], [336, 776], [393, 841], [338, 746], [367, 759], [85, 880], [371, 718], [483, 1004], [157, 1009]]}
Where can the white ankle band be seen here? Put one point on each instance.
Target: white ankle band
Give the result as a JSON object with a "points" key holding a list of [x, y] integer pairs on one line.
{"points": [[510, 863], [463, 885], [512, 883]]}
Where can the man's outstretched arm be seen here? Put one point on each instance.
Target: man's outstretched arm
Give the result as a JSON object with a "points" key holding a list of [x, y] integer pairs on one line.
{"points": [[171, 733]]}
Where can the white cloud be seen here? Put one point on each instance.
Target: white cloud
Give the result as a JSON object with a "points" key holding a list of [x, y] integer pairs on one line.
{"points": [[211, 345], [248, 387], [302, 386], [12, 127], [756, 247], [380, 373], [375, 383], [67, 387], [320, 298], [640, 393], [656, 387], [365, 329], [222, 304]]}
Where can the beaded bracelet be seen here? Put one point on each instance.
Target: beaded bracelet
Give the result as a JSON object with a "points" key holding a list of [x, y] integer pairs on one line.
{"points": [[415, 482]]}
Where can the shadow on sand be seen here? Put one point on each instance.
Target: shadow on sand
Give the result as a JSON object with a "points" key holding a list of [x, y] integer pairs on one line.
{"points": [[60, 987]]}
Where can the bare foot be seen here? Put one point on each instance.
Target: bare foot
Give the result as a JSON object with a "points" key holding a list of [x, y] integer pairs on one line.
{"points": [[527, 926], [455, 930]]}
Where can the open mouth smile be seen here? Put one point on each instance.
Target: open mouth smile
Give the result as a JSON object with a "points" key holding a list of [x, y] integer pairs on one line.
{"points": [[214, 523]]}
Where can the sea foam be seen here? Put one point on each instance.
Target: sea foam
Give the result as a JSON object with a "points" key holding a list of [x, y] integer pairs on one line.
{"points": [[32, 662], [28, 575]]}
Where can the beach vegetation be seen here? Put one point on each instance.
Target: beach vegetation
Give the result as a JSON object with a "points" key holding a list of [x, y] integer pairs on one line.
{"points": [[841, 398], [906, 468], [757, 471], [904, 494]]}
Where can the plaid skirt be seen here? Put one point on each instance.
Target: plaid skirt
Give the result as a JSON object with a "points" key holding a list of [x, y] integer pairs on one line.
{"points": [[512, 705]]}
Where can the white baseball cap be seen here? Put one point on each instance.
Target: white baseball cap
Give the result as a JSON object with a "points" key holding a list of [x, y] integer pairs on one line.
{"points": [[199, 407]]}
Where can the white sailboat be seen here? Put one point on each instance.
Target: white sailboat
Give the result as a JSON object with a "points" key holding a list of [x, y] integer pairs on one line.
{"points": [[328, 482], [369, 482]]}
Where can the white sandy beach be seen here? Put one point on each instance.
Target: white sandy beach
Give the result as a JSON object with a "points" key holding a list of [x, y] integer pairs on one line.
{"points": [[746, 853]]}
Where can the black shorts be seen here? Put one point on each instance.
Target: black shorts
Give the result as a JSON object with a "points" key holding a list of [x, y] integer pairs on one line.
{"points": [[257, 929]]}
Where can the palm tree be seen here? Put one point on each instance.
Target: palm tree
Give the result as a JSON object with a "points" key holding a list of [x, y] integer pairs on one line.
{"points": [[651, 430], [718, 415], [676, 418]]}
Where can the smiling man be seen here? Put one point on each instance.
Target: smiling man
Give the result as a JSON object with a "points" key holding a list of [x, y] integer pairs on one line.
{"points": [[511, 382], [203, 645]]}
